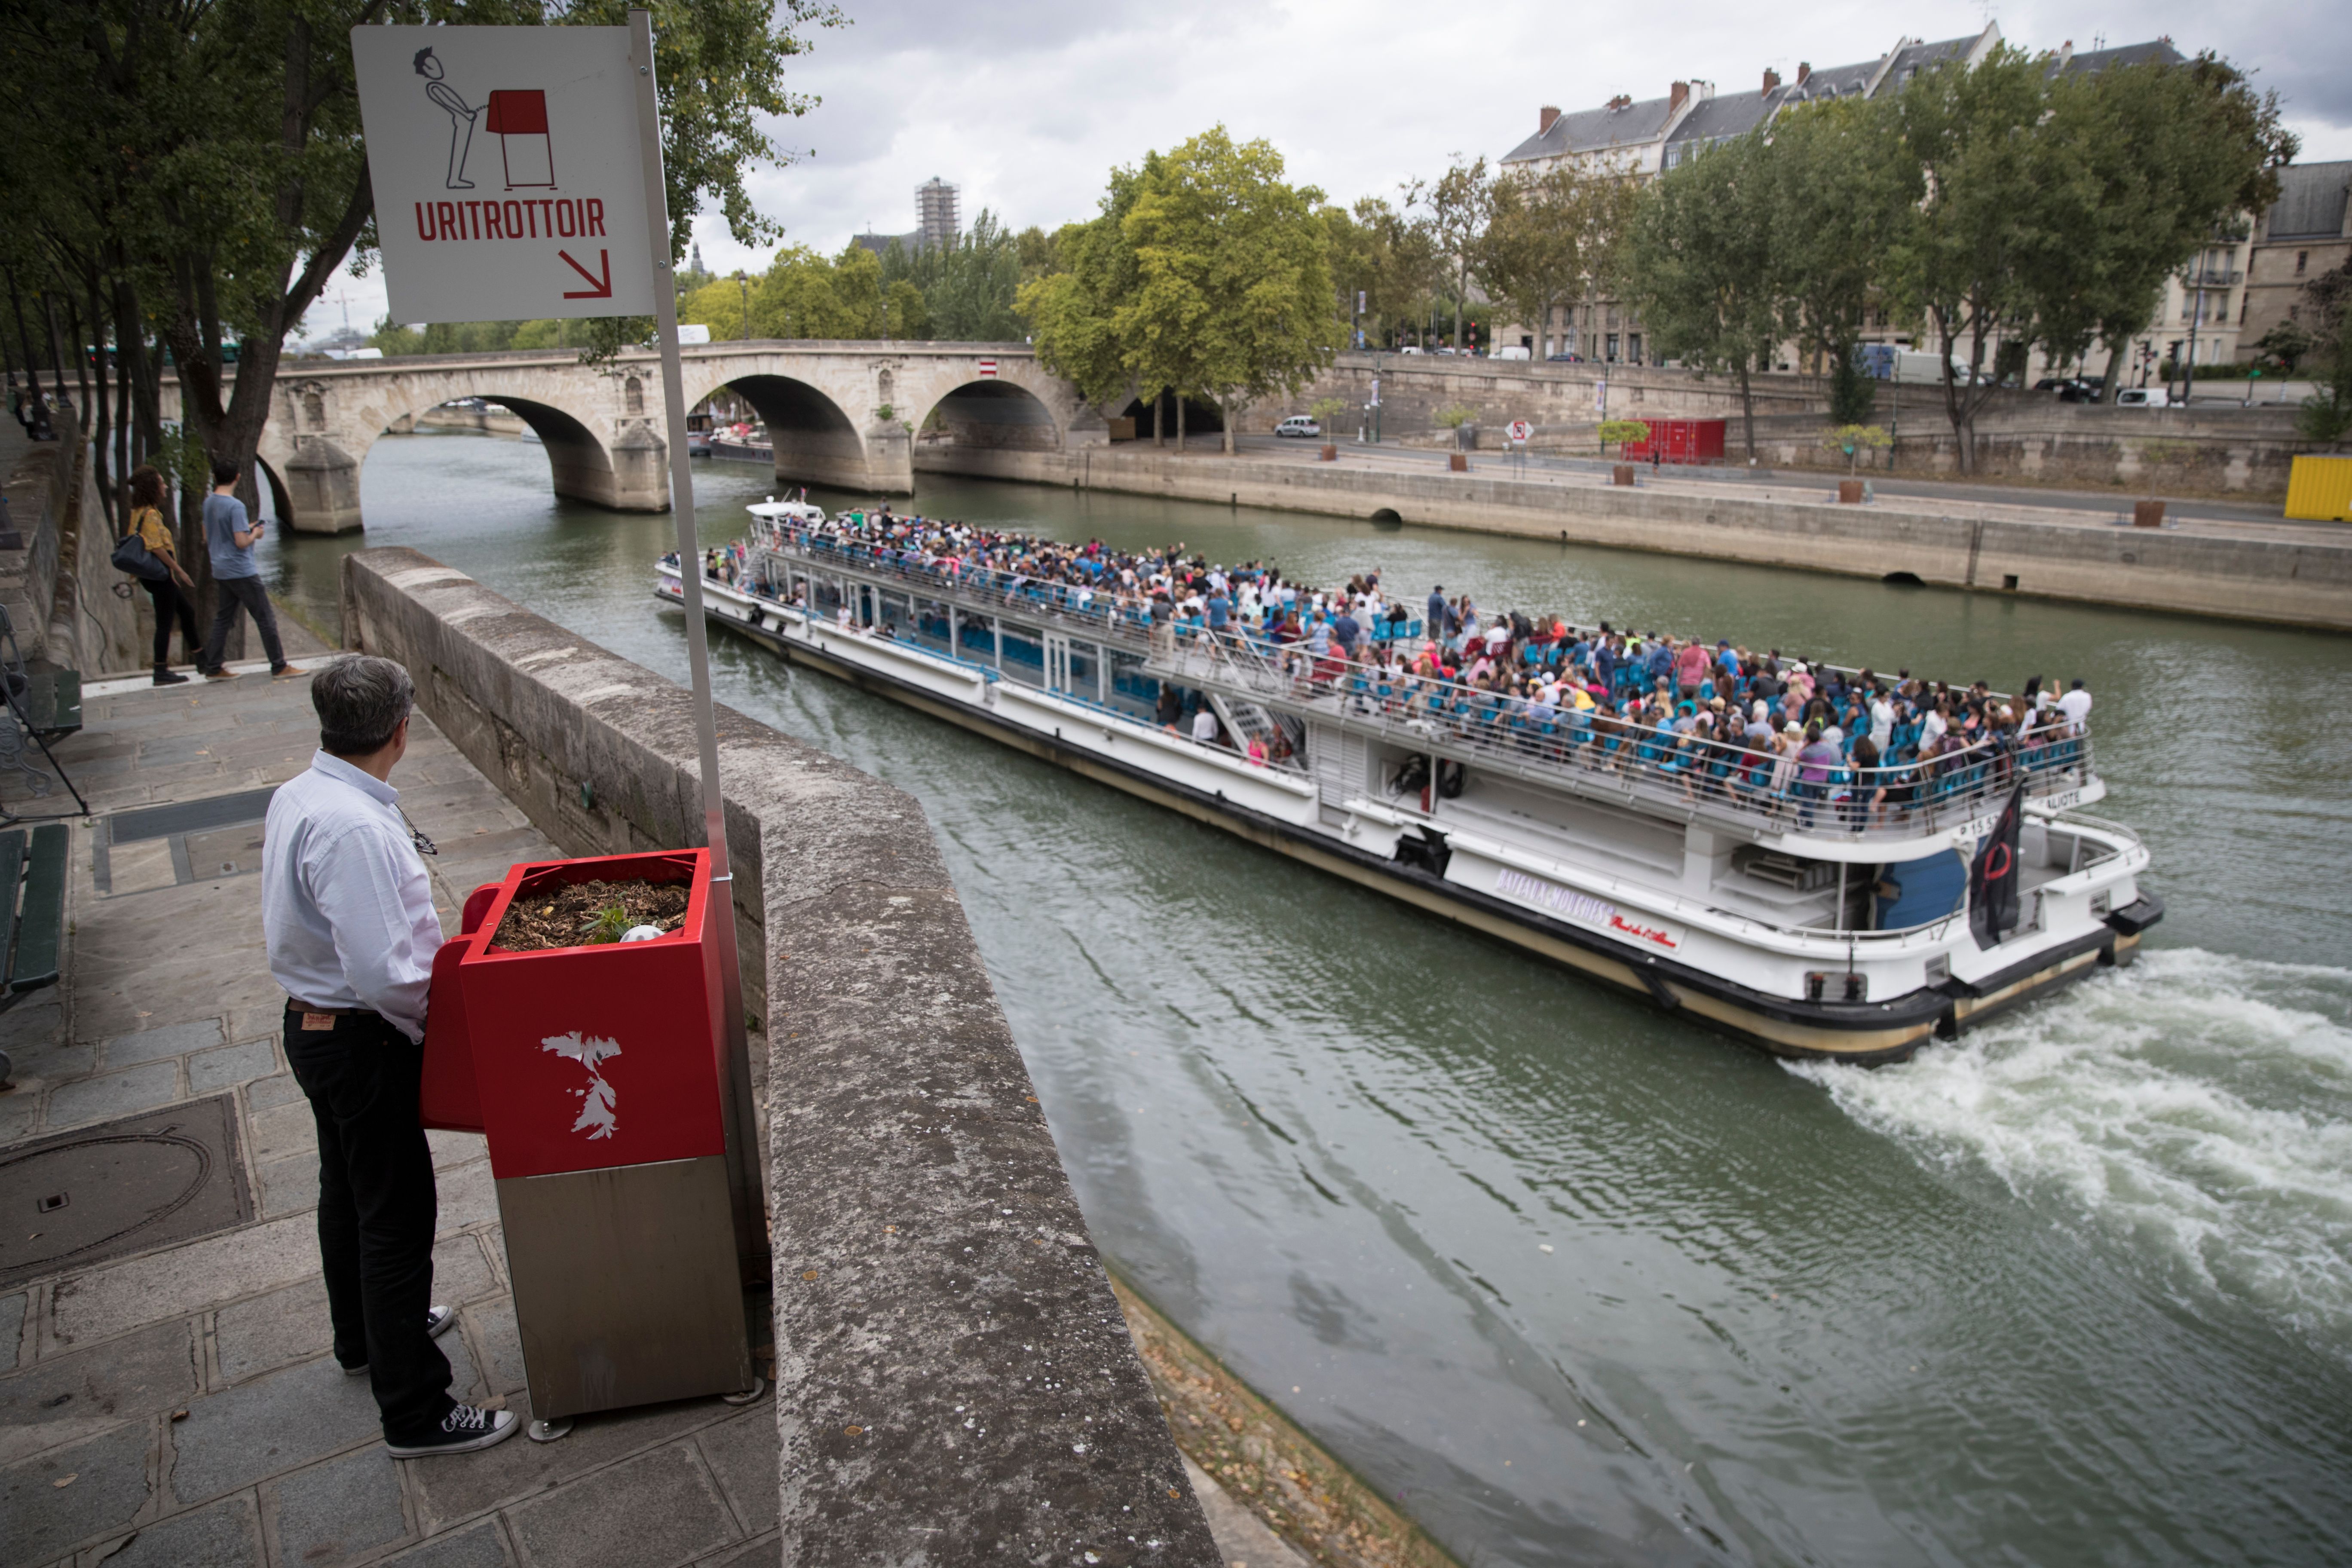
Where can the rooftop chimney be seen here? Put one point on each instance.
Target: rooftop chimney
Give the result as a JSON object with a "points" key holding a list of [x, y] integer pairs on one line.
{"points": [[1623, 100], [1803, 70], [1771, 80], [1546, 118], [1676, 96]]}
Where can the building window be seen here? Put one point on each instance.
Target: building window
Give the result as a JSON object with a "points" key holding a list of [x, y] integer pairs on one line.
{"points": [[1634, 347], [1612, 348], [2302, 261]]}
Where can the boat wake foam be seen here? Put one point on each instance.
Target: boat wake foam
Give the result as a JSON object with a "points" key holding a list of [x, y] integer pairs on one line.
{"points": [[2198, 1104]]}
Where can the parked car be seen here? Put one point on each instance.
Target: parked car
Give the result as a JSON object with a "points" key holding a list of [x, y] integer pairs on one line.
{"points": [[1412, 349], [1515, 350], [1566, 359], [2143, 397], [2081, 390], [1302, 425]]}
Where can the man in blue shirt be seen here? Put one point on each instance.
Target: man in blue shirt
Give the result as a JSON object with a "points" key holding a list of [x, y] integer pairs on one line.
{"points": [[229, 539]]}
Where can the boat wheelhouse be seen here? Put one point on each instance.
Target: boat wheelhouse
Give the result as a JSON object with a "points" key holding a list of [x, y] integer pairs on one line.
{"points": [[1813, 918]]}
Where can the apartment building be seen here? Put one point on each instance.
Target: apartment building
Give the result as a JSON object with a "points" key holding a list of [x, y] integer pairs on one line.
{"points": [[2307, 232], [1639, 140]]}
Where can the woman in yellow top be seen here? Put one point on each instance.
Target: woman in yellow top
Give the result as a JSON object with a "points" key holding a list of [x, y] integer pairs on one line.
{"points": [[147, 522]]}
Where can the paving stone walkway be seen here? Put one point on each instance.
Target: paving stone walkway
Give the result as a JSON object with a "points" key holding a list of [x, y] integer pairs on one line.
{"points": [[179, 1407]]}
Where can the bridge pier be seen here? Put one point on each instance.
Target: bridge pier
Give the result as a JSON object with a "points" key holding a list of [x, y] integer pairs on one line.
{"points": [[633, 476], [881, 463], [322, 487]]}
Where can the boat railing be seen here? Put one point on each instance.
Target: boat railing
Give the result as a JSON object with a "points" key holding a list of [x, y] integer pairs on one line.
{"points": [[1592, 752]]}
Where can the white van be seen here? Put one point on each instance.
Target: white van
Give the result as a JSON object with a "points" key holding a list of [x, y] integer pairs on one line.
{"points": [[2144, 397], [1516, 351], [1302, 425]]}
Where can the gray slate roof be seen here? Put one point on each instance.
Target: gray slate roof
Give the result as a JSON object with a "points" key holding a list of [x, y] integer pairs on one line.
{"points": [[2310, 202], [2159, 50], [1593, 130], [1924, 56]]}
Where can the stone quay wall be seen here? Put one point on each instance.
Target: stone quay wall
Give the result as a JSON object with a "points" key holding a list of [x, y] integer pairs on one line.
{"points": [[954, 1379], [2301, 579], [1415, 387], [58, 587]]}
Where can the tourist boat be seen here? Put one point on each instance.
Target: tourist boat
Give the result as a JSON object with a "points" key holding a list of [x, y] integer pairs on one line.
{"points": [[1810, 925]]}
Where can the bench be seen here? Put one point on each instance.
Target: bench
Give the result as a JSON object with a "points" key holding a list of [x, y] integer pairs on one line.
{"points": [[32, 914], [32, 907]]}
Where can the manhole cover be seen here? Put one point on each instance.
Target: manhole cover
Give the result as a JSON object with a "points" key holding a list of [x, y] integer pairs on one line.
{"points": [[101, 1192]]}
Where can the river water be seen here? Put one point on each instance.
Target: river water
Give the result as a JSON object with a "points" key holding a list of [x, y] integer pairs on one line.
{"points": [[1573, 1280]]}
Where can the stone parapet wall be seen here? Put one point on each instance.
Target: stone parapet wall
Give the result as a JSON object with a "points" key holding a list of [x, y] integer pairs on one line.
{"points": [[2302, 577], [955, 1382], [1415, 387]]}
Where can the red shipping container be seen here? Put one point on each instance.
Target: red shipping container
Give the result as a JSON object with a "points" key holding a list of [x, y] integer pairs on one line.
{"points": [[1680, 441], [589, 1057]]}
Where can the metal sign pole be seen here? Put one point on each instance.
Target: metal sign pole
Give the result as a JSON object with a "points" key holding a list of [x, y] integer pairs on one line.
{"points": [[744, 1172]]}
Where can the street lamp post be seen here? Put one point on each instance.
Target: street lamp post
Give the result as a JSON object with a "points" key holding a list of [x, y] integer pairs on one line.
{"points": [[744, 285]]}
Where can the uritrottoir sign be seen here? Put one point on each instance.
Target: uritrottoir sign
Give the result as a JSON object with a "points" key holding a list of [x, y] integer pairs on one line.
{"points": [[507, 175]]}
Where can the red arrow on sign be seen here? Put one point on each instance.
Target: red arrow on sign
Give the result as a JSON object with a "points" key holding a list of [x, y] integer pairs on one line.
{"points": [[602, 288]]}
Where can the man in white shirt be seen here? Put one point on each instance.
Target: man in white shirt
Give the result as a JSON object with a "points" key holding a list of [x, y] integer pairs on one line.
{"points": [[2076, 706], [347, 909]]}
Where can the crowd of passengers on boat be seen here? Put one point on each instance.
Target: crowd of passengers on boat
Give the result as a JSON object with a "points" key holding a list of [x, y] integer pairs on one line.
{"points": [[1864, 748]]}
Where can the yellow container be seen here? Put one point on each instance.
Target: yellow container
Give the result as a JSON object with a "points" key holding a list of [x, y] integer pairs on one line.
{"points": [[2320, 489]]}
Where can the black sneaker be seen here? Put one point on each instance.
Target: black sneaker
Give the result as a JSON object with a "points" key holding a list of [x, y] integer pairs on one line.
{"points": [[437, 1322], [463, 1431], [166, 677]]}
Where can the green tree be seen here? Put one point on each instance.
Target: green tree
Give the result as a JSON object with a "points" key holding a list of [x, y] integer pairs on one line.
{"points": [[1965, 259], [2326, 416], [1461, 203], [2286, 342], [1698, 269], [2156, 162], [390, 338], [1550, 240], [222, 180], [1393, 257], [1842, 188], [719, 305], [1037, 254], [1233, 299], [1073, 311], [969, 288]]}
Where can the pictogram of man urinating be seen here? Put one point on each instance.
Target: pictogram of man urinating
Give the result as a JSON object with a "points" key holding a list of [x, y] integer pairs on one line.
{"points": [[517, 117]]}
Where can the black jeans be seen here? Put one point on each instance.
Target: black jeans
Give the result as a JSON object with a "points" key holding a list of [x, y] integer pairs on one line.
{"points": [[170, 602], [242, 593], [376, 1211]]}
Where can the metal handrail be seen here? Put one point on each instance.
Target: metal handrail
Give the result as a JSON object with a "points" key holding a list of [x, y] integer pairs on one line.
{"points": [[1590, 753]]}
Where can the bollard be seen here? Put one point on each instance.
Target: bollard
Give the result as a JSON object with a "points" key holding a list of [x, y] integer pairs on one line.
{"points": [[2148, 515]]}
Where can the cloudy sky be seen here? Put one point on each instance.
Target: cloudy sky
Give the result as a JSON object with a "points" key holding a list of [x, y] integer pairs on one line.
{"points": [[1026, 104]]}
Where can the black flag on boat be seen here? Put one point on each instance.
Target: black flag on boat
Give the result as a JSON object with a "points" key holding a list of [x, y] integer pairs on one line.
{"points": [[1993, 875]]}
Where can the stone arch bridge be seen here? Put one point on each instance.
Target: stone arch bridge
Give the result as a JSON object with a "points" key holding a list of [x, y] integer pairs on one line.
{"points": [[845, 415]]}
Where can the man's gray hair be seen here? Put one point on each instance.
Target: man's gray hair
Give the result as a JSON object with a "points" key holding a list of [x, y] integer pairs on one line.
{"points": [[361, 702]]}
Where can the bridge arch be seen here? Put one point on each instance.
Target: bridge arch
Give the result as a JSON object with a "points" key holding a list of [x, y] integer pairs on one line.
{"points": [[817, 442], [625, 473], [993, 415]]}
